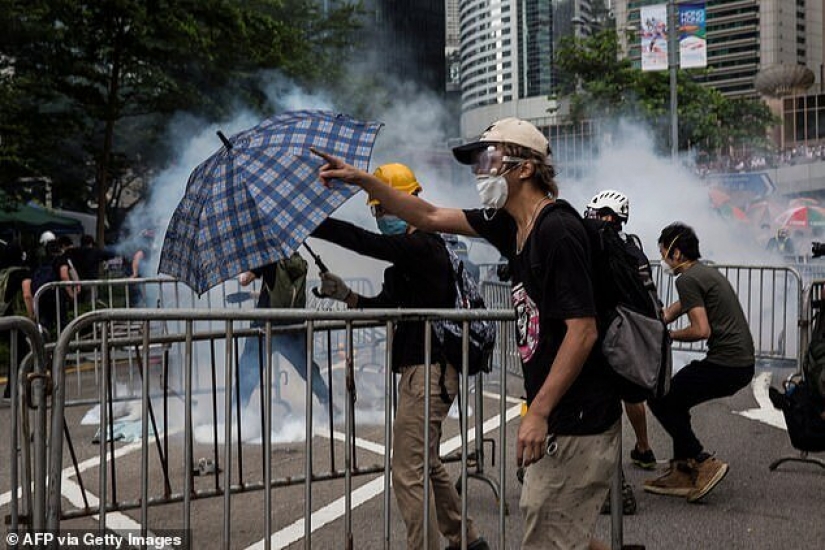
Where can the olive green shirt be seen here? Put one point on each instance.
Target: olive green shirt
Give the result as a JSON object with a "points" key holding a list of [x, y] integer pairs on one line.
{"points": [[730, 342]]}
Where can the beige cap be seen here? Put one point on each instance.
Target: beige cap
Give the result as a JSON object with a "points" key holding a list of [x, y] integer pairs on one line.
{"points": [[507, 130]]}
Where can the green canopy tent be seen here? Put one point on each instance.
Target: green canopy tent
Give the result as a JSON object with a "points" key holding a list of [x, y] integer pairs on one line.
{"points": [[27, 218]]}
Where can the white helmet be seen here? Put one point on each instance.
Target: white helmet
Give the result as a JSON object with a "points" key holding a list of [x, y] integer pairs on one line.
{"points": [[614, 200], [46, 237]]}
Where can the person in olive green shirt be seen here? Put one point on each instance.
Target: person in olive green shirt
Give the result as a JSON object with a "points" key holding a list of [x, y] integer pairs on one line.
{"points": [[714, 314], [283, 286]]}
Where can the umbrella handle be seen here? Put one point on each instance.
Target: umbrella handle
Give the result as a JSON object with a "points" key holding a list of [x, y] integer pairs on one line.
{"points": [[317, 293]]}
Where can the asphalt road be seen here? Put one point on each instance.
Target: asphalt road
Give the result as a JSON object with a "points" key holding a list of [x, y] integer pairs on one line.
{"points": [[753, 508]]}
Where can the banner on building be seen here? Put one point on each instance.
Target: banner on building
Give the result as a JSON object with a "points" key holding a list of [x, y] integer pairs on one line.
{"points": [[653, 21], [693, 45]]}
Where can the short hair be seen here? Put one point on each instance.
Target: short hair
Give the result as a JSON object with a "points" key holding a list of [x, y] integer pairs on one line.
{"points": [[681, 236], [87, 240], [545, 173]]}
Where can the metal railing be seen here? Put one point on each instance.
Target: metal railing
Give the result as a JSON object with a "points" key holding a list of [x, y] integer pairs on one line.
{"points": [[28, 384], [216, 330]]}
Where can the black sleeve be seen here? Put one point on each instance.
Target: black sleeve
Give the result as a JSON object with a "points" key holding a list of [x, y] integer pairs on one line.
{"points": [[495, 226], [401, 250]]}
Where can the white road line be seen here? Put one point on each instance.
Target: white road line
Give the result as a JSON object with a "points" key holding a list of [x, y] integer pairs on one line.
{"points": [[766, 413], [115, 521], [335, 509], [365, 444]]}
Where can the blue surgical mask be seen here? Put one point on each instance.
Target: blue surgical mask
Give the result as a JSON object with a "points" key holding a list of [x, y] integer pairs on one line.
{"points": [[391, 225]]}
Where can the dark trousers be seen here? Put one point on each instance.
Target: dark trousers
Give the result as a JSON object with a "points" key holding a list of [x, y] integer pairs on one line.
{"points": [[293, 346], [697, 382]]}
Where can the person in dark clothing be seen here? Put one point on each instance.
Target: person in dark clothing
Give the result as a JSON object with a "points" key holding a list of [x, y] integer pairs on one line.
{"points": [[548, 250], [613, 207], [53, 306], [88, 258], [714, 314], [418, 278], [13, 271]]}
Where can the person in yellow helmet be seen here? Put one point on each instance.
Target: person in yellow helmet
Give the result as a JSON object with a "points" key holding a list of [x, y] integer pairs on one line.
{"points": [[419, 278]]}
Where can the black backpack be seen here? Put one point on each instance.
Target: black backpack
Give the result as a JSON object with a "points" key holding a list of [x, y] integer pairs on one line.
{"points": [[634, 337], [804, 413], [482, 333], [813, 365], [43, 274]]}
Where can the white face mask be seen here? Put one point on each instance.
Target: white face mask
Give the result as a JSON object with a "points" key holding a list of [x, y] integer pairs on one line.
{"points": [[666, 269], [492, 190]]}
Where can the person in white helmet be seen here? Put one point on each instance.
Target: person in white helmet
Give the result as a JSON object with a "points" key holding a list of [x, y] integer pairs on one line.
{"points": [[47, 236], [614, 207], [568, 439]]}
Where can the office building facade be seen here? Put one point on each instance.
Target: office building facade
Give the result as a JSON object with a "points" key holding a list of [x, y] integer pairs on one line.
{"points": [[744, 37], [506, 57]]}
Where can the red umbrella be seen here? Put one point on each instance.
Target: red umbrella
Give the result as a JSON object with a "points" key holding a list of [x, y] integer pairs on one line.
{"points": [[802, 216], [803, 201]]}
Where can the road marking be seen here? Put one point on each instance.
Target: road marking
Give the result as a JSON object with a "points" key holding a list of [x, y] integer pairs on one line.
{"points": [[115, 521], [766, 413], [367, 492]]}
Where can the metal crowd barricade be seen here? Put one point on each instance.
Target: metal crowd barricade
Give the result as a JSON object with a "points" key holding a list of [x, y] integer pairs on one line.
{"points": [[163, 293], [216, 330], [28, 383], [772, 300], [497, 296]]}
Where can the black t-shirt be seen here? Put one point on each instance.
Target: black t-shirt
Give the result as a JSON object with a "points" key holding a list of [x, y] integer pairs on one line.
{"points": [[552, 282], [420, 277]]}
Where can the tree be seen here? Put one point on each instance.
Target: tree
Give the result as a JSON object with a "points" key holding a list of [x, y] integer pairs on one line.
{"points": [[90, 85], [601, 85]]}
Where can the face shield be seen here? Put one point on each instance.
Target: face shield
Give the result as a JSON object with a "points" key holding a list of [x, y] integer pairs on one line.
{"points": [[489, 161]]}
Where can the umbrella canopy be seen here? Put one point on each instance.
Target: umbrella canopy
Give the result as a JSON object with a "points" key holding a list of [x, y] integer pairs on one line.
{"points": [[802, 216], [34, 219], [733, 212], [803, 201], [258, 198]]}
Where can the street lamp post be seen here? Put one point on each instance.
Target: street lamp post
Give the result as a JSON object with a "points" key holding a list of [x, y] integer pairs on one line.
{"points": [[673, 64]]}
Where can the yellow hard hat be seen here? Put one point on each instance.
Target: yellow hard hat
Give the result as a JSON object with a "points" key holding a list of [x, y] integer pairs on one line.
{"points": [[398, 176]]}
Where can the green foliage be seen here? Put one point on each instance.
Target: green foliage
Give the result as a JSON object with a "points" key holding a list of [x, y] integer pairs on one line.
{"points": [[600, 85], [86, 88]]}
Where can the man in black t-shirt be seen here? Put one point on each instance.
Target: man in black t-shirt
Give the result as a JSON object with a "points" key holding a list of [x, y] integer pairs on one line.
{"points": [[419, 278], [569, 437]]}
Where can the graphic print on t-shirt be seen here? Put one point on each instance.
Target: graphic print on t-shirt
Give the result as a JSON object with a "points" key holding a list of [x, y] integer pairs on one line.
{"points": [[527, 323]]}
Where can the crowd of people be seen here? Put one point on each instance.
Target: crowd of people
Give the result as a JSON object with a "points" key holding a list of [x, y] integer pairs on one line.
{"points": [[755, 162], [568, 440]]}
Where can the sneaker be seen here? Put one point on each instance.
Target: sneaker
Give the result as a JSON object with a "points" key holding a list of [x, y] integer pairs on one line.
{"points": [[677, 482], [628, 500], [644, 460], [709, 473]]}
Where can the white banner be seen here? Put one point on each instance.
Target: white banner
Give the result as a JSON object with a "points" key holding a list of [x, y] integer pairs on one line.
{"points": [[654, 37]]}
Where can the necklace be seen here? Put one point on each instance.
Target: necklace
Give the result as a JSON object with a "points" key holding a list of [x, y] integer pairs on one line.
{"points": [[522, 234]]}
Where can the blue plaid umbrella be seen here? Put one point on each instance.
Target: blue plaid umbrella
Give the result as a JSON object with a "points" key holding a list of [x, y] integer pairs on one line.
{"points": [[258, 198]]}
